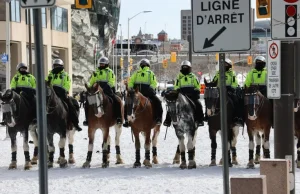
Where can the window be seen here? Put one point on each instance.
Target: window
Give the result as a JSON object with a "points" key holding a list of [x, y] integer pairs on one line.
{"points": [[184, 17], [190, 25], [59, 19], [189, 17], [15, 11], [184, 28], [2, 11], [184, 32], [44, 17], [189, 28], [184, 21]]}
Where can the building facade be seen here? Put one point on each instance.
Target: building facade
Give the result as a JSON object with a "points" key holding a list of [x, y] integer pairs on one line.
{"points": [[186, 24], [56, 23]]}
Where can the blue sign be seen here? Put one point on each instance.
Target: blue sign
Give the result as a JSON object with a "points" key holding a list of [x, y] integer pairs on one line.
{"points": [[4, 58]]}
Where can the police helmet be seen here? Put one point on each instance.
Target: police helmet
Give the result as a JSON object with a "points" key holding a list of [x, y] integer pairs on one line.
{"points": [[57, 62], [145, 62], [21, 65], [260, 59], [228, 62], [103, 60], [186, 63]]}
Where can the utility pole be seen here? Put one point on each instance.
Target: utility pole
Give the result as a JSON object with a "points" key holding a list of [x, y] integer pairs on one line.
{"points": [[8, 63], [30, 41]]}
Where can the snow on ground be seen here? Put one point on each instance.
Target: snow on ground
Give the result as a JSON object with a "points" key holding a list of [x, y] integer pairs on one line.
{"points": [[162, 178]]}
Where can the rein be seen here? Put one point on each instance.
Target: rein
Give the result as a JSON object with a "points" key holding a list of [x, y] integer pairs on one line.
{"points": [[48, 107]]}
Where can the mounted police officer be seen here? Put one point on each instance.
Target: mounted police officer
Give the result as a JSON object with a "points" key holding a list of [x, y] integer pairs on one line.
{"points": [[61, 83], [188, 84], [106, 78], [231, 86], [145, 80], [258, 75]]}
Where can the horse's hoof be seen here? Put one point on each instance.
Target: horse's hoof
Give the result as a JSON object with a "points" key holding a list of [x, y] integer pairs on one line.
{"points": [[192, 164], [250, 165], [213, 163], [63, 163], [58, 160], [34, 160], [234, 160], [221, 161], [183, 165], [176, 159], [154, 160], [147, 163], [71, 159], [27, 166], [119, 159], [105, 165], [137, 165], [50, 164], [257, 159], [13, 165], [87, 164]]}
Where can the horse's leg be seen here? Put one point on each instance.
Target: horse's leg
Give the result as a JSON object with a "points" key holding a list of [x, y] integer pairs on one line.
{"points": [[229, 146], [70, 135], [251, 148], [233, 144], [27, 165], [105, 161], [34, 135], [147, 147], [91, 134], [258, 146], [298, 152], [13, 140], [191, 150], [118, 129], [62, 144], [213, 138], [108, 147], [154, 144], [266, 145], [51, 150], [137, 162], [176, 159], [183, 164]]}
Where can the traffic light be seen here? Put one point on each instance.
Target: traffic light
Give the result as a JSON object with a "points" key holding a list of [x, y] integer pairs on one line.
{"points": [[217, 56], [130, 67], [165, 63], [263, 9], [83, 4], [173, 57], [291, 20], [131, 61], [121, 62], [249, 60]]}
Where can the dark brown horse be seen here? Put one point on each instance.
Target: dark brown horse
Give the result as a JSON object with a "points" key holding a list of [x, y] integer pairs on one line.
{"points": [[101, 115], [140, 117], [297, 128], [258, 117]]}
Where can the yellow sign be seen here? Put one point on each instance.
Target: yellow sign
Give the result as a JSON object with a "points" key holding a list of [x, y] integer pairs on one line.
{"points": [[83, 4], [217, 56], [249, 60], [173, 57]]}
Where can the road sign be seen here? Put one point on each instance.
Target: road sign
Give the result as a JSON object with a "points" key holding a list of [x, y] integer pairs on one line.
{"points": [[221, 26], [274, 78], [4, 58], [37, 4], [285, 21]]}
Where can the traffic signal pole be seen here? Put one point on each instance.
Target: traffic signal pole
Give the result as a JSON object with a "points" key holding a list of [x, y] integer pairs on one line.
{"points": [[284, 111]]}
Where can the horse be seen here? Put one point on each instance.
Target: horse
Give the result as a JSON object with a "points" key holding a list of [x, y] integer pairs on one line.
{"points": [[297, 128], [182, 115], [18, 115], [140, 116], [101, 115], [58, 122], [258, 116], [212, 104]]}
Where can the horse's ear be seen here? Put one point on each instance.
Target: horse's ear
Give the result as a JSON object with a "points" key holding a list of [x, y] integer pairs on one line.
{"points": [[136, 89], [86, 86], [205, 82]]}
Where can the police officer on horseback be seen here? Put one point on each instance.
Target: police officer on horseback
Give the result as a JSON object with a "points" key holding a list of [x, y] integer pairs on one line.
{"points": [[106, 79], [188, 84], [258, 75], [61, 83], [231, 86], [145, 80]]}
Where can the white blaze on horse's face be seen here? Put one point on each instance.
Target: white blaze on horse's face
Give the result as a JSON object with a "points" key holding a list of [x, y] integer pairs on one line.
{"points": [[7, 108], [252, 118], [130, 118]]}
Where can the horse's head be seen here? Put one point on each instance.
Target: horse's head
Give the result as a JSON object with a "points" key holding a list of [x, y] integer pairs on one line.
{"points": [[252, 101], [211, 97], [171, 98], [95, 97], [133, 101], [296, 105], [10, 100]]}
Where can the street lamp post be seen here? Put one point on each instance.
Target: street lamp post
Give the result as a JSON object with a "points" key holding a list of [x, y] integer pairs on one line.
{"points": [[128, 49]]}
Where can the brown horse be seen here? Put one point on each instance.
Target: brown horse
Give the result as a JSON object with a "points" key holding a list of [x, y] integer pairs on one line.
{"points": [[258, 117], [140, 117], [101, 115], [297, 128]]}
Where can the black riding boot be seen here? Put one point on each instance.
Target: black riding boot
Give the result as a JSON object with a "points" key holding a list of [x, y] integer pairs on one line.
{"points": [[73, 114], [158, 110], [168, 120], [126, 124], [117, 109], [199, 113]]}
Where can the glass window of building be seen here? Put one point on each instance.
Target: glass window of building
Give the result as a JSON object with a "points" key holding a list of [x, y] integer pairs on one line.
{"points": [[184, 17], [15, 11], [44, 17], [2, 10], [184, 21], [59, 19]]}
